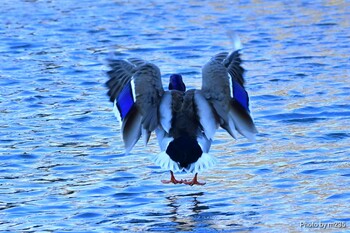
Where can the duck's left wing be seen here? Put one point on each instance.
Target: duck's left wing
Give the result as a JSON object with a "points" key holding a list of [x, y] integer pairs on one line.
{"points": [[135, 88], [223, 87]]}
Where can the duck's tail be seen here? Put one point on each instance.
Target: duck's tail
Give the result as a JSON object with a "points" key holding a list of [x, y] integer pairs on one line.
{"points": [[184, 153]]}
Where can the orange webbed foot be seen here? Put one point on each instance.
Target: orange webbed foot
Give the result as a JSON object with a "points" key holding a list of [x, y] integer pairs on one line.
{"points": [[194, 181], [172, 180]]}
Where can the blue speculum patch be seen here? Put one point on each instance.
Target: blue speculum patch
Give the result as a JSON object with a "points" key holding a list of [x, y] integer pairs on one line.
{"points": [[240, 95], [125, 101]]}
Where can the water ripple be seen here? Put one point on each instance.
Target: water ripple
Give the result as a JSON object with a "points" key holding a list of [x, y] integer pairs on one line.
{"points": [[63, 166]]}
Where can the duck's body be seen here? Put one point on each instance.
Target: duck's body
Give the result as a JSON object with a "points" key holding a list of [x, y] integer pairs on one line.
{"points": [[184, 121], [184, 149], [182, 137]]}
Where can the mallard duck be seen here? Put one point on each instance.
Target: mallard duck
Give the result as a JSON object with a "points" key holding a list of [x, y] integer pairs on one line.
{"points": [[184, 121]]}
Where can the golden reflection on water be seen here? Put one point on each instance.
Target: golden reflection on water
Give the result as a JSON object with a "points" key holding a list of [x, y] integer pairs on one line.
{"points": [[296, 55]]}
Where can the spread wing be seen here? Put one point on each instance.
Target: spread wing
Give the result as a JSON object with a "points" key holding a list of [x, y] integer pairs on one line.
{"points": [[223, 87], [135, 88]]}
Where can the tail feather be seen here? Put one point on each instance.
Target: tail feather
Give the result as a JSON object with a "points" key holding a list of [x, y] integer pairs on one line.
{"points": [[205, 162], [164, 161]]}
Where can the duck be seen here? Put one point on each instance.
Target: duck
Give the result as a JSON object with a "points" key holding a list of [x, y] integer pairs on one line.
{"points": [[184, 121]]}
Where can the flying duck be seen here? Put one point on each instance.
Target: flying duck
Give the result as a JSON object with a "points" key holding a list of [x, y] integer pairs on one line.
{"points": [[184, 121]]}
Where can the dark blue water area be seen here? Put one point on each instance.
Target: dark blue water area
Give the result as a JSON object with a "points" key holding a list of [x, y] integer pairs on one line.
{"points": [[63, 166]]}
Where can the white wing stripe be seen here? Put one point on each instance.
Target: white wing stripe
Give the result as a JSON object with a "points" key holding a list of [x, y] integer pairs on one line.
{"points": [[116, 112], [132, 82], [231, 85]]}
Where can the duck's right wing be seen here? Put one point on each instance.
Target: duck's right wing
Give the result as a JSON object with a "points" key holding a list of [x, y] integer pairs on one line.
{"points": [[135, 88], [223, 87]]}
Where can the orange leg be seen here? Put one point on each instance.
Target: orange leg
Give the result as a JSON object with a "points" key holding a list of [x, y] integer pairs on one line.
{"points": [[193, 181], [172, 180]]}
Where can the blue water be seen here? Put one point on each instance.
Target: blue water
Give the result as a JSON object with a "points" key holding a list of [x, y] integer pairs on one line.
{"points": [[62, 166]]}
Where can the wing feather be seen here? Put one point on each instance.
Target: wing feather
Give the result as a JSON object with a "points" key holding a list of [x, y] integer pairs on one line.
{"points": [[135, 87], [120, 74], [131, 129], [165, 111], [223, 87], [206, 115], [149, 90], [136, 61], [234, 68]]}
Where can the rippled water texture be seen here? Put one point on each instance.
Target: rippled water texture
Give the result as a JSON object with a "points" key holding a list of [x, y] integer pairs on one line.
{"points": [[62, 166]]}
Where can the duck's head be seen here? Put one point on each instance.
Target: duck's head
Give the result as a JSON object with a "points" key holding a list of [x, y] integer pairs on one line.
{"points": [[176, 83]]}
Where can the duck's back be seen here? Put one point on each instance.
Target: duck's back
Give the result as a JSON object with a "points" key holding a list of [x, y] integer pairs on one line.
{"points": [[185, 126], [185, 120]]}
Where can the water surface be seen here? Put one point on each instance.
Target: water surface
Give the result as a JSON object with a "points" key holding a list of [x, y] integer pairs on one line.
{"points": [[63, 168]]}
